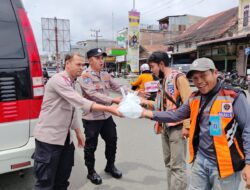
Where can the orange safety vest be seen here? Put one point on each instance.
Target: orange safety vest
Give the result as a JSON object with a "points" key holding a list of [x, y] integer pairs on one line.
{"points": [[228, 147], [169, 87]]}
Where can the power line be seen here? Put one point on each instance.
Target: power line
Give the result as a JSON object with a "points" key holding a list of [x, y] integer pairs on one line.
{"points": [[166, 6], [201, 1], [156, 7], [96, 35], [112, 25]]}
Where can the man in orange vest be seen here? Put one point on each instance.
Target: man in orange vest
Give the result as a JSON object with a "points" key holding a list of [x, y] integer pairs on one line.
{"points": [[219, 143], [174, 90]]}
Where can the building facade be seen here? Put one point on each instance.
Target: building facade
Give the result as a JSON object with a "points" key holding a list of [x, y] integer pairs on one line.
{"points": [[82, 47], [197, 40], [153, 37]]}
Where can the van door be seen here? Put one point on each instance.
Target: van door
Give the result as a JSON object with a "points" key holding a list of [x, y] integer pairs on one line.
{"points": [[15, 81]]}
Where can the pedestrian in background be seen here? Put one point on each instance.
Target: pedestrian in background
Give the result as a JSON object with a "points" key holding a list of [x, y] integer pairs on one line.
{"points": [[54, 149], [96, 85], [174, 90], [219, 143]]}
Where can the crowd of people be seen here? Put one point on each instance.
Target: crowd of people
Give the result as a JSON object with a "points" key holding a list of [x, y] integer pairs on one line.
{"points": [[215, 119]]}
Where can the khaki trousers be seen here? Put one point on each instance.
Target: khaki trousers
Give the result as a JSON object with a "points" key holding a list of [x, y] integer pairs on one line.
{"points": [[174, 152]]}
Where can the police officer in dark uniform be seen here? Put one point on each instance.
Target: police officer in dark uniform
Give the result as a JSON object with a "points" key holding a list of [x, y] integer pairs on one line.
{"points": [[95, 85]]}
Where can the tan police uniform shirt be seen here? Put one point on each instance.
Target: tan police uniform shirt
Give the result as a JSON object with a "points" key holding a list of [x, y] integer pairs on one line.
{"points": [[96, 87], [58, 114]]}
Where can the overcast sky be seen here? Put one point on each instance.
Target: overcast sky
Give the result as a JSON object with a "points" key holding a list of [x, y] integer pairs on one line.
{"points": [[97, 14]]}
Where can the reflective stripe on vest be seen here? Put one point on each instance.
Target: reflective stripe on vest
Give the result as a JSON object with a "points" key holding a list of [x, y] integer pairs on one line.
{"points": [[228, 150], [172, 91]]}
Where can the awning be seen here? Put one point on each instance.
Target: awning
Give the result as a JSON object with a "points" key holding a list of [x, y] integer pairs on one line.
{"points": [[110, 59], [185, 52], [225, 39]]}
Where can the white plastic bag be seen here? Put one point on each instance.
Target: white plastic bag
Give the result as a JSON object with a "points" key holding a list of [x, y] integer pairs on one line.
{"points": [[130, 105]]}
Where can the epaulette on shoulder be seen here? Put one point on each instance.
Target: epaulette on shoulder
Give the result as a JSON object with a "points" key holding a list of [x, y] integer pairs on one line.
{"points": [[85, 75]]}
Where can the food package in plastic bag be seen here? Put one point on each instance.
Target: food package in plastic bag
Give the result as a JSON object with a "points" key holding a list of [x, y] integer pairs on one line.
{"points": [[130, 105]]}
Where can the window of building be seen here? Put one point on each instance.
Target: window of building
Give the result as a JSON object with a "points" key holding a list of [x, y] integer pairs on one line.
{"points": [[188, 45], [182, 28]]}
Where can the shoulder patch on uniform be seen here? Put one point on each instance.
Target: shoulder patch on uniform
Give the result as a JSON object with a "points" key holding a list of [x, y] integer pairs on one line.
{"points": [[87, 80], [106, 77], [85, 75]]}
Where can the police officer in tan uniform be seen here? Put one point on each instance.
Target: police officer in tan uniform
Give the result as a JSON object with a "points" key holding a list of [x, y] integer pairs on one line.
{"points": [[95, 85], [54, 149]]}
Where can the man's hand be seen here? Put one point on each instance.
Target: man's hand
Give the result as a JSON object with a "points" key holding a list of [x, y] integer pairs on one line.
{"points": [[114, 110], [117, 100], [143, 101], [143, 94], [147, 114], [185, 133], [246, 175], [80, 138]]}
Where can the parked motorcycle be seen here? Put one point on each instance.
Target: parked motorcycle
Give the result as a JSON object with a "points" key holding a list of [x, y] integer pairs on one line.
{"points": [[243, 83], [225, 77], [233, 79]]}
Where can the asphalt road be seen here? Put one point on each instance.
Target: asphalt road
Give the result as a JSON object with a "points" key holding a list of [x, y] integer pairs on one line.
{"points": [[139, 156]]}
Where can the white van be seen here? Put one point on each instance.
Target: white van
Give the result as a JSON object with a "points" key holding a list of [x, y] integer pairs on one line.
{"points": [[21, 87]]}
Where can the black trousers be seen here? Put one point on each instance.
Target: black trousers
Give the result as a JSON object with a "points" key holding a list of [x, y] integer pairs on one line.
{"points": [[53, 165], [107, 129]]}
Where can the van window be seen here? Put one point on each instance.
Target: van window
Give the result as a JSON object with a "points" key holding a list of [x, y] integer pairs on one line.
{"points": [[10, 39]]}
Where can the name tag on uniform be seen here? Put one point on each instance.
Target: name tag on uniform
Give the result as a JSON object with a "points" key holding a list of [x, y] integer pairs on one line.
{"points": [[151, 86], [215, 125]]}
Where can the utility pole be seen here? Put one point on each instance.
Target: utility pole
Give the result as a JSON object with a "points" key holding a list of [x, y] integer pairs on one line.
{"points": [[112, 26], [133, 4], [95, 35], [56, 41]]}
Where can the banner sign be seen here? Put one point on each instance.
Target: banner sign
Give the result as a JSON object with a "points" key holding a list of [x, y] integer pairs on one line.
{"points": [[133, 40]]}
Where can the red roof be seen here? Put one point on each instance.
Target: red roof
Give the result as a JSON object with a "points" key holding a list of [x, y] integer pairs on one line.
{"points": [[211, 27]]}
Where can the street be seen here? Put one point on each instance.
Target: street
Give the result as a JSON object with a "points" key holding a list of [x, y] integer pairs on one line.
{"points": [[139, 156]]}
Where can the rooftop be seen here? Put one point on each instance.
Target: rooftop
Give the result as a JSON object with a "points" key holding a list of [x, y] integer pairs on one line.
{"points": [[211, 27]]}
